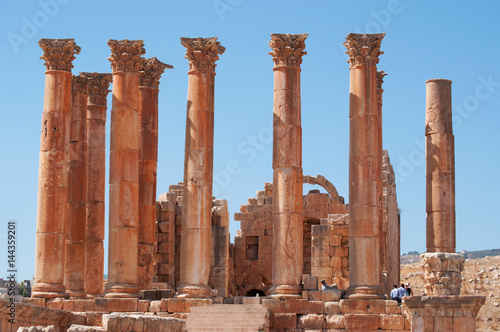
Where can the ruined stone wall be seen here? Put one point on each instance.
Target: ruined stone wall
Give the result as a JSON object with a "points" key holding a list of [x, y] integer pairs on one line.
{"points": [[391, 228], [253, 243], [330, 250], [168, 241]]}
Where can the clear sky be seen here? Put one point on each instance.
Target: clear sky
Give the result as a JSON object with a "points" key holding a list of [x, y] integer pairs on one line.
{"points": [[456, 40]]}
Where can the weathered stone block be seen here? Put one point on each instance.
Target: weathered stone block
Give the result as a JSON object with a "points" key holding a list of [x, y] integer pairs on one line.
{"points": [[331, 295], [335, 321], [315, 307], [119, 305], [362, 321], [311, 321], [392, 322], [283, 320], [331, 308], [143, 305], [315, 295], [185, 304], [358, 306]]}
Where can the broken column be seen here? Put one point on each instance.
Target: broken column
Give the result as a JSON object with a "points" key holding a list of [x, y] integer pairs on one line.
{"points": [[364, 167], [442, 265], [98, 84], [52, 177], [126, 62], [287, 166], [149, 80], [77, 190], [198, 167]]}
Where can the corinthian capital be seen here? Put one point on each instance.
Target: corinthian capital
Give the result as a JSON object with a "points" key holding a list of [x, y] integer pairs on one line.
{"points": [[126, 54], [288, 49], [152, 69], [98, 84], [363, 49], [380, 78], [202, 52], [58, 53], [79, 84]]}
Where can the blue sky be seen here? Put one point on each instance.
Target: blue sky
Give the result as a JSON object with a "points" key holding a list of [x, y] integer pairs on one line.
{"points": [[440, 39]]}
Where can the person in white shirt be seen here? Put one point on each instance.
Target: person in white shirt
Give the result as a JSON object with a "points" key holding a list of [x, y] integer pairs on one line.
{"points": [[394, 294]]}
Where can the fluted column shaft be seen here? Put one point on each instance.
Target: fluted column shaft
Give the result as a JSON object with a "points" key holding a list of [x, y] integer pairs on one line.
{"points": [[288, 215], [148, 157], [96, 184], [364, 167], [52, 176], [198, 167], [77, 190], [124, 169], [440, 167]]}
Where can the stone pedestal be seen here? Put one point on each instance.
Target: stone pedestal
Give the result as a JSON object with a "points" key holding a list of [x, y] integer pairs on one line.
{"points": [[98, 84], [443, 273], [52, 177], [440, 167], [443, 313], [77, 190], [287, 166], [149, 81], [126, 62], [198, 167], [364, 167]]}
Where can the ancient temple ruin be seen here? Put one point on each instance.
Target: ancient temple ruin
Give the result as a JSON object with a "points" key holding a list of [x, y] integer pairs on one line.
{"points": [[171, 264]]}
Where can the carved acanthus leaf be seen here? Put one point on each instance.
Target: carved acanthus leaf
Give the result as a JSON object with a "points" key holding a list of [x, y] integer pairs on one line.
{"points": [[152, 69], [202, 52], [363, 49], [288, 49], [380, 78], [126, 55], [98, 84], [79, 84], [58, 53]]}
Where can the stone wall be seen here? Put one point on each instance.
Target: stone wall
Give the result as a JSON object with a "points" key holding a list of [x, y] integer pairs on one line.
{"points": [[168, 240], [330, 250], [391, 227]]}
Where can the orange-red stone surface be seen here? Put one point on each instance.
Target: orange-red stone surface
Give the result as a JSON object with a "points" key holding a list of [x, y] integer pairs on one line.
{"points": [[440, 167], [96, 177], [198, 166], [52, 177], [124, 169], [287, 165], [364, 167]]}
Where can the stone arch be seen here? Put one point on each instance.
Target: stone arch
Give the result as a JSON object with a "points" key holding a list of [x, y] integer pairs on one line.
{"points": [[320, 180]]}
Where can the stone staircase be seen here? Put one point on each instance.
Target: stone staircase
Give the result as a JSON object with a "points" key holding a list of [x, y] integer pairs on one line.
{"points": [[228, 317]]}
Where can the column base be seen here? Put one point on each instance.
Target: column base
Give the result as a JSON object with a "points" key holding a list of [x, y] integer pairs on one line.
{"points": [[49, 291], [76, 293], [194, 291], [364, 292], [121, 291], [285, 292]]}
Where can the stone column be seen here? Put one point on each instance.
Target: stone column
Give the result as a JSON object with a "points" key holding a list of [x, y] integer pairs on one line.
{"points": [[288, 218], [126, 62], [198, 167], [149, 80], [98, 84], [52, 176], [77, 190], [380, 188], [440, 167], [442, 266], [364, 167]]}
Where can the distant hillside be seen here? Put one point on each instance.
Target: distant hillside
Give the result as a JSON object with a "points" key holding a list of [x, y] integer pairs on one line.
{"points": [[414, 257], [481, 253]]}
